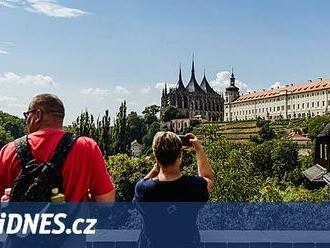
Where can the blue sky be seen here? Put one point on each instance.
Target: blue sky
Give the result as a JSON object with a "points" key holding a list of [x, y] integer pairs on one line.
{"points": [[94, 54]]}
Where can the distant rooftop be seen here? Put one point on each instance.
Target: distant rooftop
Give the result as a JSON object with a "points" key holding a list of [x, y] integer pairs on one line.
{"points": [[288, 89]]}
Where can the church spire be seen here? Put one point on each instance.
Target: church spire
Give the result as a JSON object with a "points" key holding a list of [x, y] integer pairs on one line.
{"points": [[232, 78], [232, 86], [193, 64], [193, 86], [180, 82], [205, 85]]}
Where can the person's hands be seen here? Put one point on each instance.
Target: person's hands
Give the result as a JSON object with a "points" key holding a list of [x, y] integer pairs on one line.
{"points": [[156, 168], [195, 143], [154, 172]]}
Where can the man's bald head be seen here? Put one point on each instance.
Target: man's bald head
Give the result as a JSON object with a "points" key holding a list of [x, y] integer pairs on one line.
{"points": [[50, 104]]}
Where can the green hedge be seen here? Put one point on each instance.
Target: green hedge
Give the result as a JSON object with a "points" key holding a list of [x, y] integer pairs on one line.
{"points": [[270, 171]]}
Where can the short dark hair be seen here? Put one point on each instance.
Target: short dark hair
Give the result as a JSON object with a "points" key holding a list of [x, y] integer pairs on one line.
{"points": [[50, 104], [167, 147]]}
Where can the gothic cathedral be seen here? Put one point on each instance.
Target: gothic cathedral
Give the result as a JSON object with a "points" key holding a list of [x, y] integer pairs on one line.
{"points": [[194, 100]]}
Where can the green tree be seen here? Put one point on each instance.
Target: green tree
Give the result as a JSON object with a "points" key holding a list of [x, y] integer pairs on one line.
{"points": [[315, 125], [285, 158], [103, 133], [14, 125], [261, 156], [234, 178], [171, 113], [119, 134], [148, 138], [99, 130], [266, 132], [126, 172], [136, 127], [150, 114], [5, 137]]}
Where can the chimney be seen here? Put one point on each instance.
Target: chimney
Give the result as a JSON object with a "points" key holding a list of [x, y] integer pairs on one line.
{"points": [[320, 78], [310, 80], [291, 84]]}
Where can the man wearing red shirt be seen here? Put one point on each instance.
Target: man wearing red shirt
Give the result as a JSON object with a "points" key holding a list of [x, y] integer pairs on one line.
{"points": [[85, 177]]}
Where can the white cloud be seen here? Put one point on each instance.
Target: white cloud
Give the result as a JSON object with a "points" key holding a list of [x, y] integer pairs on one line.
{"points": [[8, 99], [222, 81], [6, 3], [9, 43], [3, 51], [37, 79], [96, 92], [4, 45], [53, 9], [145, 90], [161, 86], [276, 85], [46, 7], [121, 90], [11, 102]]}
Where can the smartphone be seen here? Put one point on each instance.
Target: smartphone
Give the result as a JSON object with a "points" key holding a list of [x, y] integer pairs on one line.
{"points": [[185, 140]]}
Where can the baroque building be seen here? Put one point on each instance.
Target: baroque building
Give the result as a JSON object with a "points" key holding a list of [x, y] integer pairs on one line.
{"points": [[288, 102], [194, 100]]}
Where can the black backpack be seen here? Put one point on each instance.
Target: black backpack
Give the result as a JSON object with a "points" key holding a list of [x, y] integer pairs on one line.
{"points": [[37, 179]]}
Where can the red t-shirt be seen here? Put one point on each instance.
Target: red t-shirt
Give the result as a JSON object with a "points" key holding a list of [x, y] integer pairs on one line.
{"points": [[84, 170]]}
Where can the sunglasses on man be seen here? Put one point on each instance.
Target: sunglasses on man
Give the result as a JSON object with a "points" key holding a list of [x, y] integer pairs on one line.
{"points": [[26, 114]]}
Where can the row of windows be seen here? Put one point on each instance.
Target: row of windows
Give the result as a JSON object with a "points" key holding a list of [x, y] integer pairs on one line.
{"points": [[289, 116], [294, 106], [283, 98], [280, 108]]}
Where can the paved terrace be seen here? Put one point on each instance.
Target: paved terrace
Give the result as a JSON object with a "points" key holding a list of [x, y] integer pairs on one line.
{"points": [[223, 239]]}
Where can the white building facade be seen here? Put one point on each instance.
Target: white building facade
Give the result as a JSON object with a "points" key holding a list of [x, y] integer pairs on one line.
{"points": [[288, 102]]}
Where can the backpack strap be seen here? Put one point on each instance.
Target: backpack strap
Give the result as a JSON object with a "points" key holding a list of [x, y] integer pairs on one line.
{"points": [[63, 149], [23, 151]]}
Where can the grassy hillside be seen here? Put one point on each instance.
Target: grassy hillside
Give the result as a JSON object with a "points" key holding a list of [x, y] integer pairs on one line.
{"points": [[234, 131]]}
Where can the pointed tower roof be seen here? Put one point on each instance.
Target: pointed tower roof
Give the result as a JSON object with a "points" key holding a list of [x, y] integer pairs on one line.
{"points": [[232, 86], [206, 86], [193, 86], [180, 85]]}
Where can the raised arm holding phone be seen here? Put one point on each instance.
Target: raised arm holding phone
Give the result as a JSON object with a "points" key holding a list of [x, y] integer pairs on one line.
{"points": [[165, 184]]}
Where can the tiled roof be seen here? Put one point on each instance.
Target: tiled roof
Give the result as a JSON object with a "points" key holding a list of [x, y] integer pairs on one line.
{"points": [[298, 137], [289, 89]]}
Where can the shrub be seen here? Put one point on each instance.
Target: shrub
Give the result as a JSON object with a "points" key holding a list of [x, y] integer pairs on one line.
{"points": [[315, 125], [126, 172], [285, 158], [261, 156], [5, 137]]}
